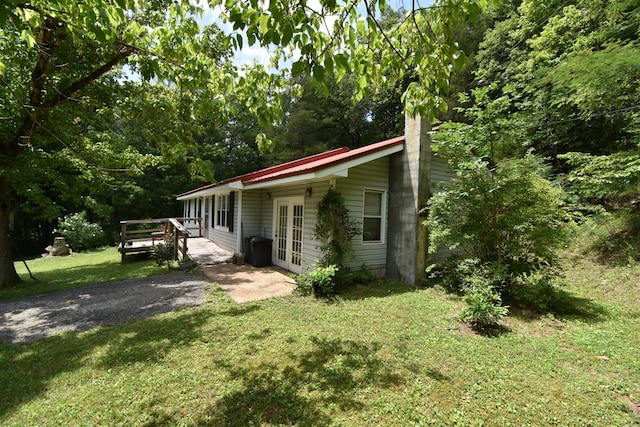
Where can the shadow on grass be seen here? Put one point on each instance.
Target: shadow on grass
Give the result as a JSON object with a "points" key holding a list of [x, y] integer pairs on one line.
{"points": [[561, 304], [328, 375], [26, 369], [76, 276], [377, 289], [615, 240], [489, 331]]}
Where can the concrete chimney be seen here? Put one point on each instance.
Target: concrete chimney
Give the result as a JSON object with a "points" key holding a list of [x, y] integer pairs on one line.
{"points": [[409, 191]]}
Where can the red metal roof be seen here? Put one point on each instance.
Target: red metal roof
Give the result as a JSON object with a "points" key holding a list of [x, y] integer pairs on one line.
{"points": [[306, 165]]}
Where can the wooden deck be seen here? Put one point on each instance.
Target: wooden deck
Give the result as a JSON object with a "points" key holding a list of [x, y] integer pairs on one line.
{"points": [[143, 235]]}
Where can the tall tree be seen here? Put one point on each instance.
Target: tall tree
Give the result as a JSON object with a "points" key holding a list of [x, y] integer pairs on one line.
{"points": [[567, 71], [58, 53]]}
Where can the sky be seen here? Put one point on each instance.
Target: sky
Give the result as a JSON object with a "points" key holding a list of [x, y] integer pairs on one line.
{"points": [[249, 54]]}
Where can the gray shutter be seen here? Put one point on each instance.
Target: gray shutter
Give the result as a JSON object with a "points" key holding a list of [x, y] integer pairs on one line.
{"points": [[231, 210], [213, 211]]}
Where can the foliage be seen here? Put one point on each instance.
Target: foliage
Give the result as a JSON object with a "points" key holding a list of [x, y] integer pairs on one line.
{"points": [[363, 276], [484, 308], [419, 47], [508, 213], [80, 233], [319, 281], [596, 177], [611, 237], [334, 228], [163, 253], [566, 75], [504, 220]]}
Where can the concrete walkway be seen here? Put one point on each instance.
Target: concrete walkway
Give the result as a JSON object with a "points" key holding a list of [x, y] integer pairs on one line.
{"points": [[243, 283], [205, 252]]}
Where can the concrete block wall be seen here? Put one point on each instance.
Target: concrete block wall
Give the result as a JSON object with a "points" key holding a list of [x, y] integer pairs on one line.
{"points": [[409, 190]]}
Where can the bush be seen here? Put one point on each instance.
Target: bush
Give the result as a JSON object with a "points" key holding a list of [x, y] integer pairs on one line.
{"points": [[162, 253], [509, 213], [319, 281], [484, 306], [534, 290], [485, 285], [80, 233]]}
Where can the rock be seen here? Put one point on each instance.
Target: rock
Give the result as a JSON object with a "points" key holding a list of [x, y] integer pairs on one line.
{"points": [[59, 248]]}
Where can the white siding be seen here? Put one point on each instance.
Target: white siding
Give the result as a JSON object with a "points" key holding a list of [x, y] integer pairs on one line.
{"points": [[252, 202], [373, 176], [440, 174], [222, 236]]}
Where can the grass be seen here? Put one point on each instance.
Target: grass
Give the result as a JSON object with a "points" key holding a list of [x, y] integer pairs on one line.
{"points": [[83, 268], [384, 354]]}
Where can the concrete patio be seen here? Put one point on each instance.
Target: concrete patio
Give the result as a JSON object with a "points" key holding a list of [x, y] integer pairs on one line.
{"points": [[243, 283]]}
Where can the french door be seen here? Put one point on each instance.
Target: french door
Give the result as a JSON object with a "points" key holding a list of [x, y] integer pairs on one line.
{"points": [[288, 226]]}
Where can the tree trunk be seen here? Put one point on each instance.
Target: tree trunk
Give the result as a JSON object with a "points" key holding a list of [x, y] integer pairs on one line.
{"points": [[8, 274]]}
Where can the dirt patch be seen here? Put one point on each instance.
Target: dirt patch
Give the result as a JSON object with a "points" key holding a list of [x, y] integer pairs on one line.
{"points": [[84, 308], [246, 283]]}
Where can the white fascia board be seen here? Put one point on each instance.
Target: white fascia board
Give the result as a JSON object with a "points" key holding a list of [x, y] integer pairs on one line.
{"points": [[207, 192], [282, 181], [235, 185], [297, 179]]}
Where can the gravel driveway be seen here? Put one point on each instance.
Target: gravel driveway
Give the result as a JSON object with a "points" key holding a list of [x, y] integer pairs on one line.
{"points": [[112, 303]]}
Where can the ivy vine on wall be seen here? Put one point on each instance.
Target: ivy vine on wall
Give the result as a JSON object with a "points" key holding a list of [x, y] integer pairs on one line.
{"points": [[334, 228]]}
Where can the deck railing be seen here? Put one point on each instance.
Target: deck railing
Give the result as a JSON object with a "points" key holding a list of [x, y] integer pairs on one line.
{"points": [[142, 235]]}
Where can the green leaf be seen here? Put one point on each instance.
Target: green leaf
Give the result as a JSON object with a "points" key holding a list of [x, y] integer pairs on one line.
{"points": [[239, 41], [318, 73], [342, 62], [287, 34], [28, 37], [297, 68], [264, 24], [328, 64]]}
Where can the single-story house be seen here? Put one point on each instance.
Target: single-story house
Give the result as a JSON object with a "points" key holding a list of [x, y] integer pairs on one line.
{"points": [[385, 186]]}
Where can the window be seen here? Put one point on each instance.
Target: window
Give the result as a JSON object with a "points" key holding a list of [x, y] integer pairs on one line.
{"points": [[372, 217], [222, 211]]}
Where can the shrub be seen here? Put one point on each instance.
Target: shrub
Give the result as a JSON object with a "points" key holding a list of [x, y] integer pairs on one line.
{"points": [[484, 305], [80, 233], [534, 290], [506, 222], [319, 281], [509, 213], [163, 253]]}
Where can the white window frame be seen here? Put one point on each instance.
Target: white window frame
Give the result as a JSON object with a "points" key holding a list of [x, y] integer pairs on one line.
{"points": [[383, 208], [218, 206]]}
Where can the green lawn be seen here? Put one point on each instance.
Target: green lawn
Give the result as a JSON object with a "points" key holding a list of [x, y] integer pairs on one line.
{"points": [[385, 354], [81, 268]]}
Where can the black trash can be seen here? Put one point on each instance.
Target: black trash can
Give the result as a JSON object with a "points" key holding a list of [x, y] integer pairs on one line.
{"points": [[247, 248], [260, 251]]}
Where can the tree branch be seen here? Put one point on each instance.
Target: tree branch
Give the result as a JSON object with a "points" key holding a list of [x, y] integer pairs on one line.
{"points": [[123, 52], [384, 35]]}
